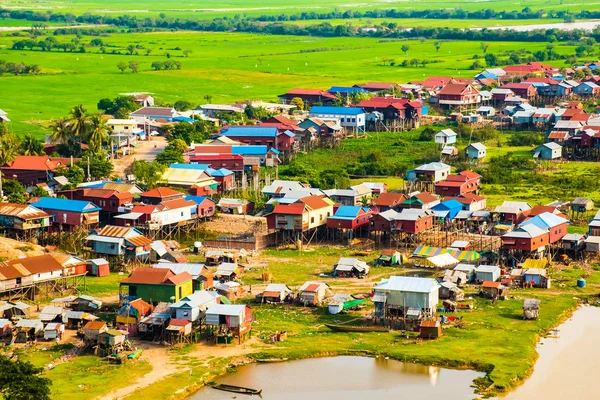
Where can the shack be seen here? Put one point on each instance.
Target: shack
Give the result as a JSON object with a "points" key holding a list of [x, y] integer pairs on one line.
{"points": [[493, 290], [86, 303], [51, 314], [389, 257], [193, 306], [28, 330], [531, 309], [110, 342], [450, 291], [430, 329], [394, 296], [54, 330], [275, 293], [229, 321], [5, 328], [202, 278], [98, 267], [350, 267], [489, 273], [231, 290], [179, 331], [227, 272], [93, 329], [77, 319], [457, 277], [468, 269], [536, 277], [13, 310], [313, 293], [130, 313]]}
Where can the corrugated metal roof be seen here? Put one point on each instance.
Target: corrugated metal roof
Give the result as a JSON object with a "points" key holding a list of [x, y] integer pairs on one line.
{"points": [[250, 131], [336, 110], [115, 231], [58, 204], [23, 211], [487, 268], [227, 309], [408, 284]]}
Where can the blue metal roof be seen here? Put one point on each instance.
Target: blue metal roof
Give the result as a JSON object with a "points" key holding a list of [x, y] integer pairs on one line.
{"points": [[249, 150], [65, 204], [486, 74], [183, 118], [336, 110], [349, 212], [345, 89], [448, 205], [545, 221], [198, 199], [198, 167], [219, 172], [250, 131]]}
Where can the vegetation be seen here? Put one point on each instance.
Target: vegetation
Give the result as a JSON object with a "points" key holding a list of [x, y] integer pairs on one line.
{"points": [[21, 380]]}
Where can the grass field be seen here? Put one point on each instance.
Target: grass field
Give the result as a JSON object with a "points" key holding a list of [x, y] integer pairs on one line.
{"points": [[228, 66], [210, 9]]}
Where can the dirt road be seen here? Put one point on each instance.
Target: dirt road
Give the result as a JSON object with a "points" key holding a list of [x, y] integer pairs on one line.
{"points": [[145, 152]]}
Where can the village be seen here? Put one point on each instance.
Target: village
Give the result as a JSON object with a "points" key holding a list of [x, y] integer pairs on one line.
{"points": [[214, 253]]}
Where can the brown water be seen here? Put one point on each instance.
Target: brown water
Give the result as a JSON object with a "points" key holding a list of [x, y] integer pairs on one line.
{"points": [[348, 378], [568, 365]]}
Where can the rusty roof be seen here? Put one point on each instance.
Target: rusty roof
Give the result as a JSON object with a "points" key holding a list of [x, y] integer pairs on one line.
{"points": [[314, 202], [161, 192], [430, 323], [490, 284], [98, 193], [388, 199], [33, 265], [138, 240], [95, 325], [180, 278], [156, 276], [178, 203], [23, 211], [140, 305], [114, 231], [313, 287]]}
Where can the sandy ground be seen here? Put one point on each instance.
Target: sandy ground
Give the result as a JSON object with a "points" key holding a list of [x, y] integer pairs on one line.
{"points": [[11, 249], [145, 152], [227, 223]]}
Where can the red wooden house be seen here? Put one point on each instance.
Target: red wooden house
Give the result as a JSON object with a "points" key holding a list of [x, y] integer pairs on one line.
{"points": [[217, 161], [461, 183], [69, 214], [386, 201], [350, 217], [513, 212], [308, 96], [160, 194], [392, 108], [31, 170], [523, 90], [525, 238], [458, 94], [555, 225], [414, 221], [108, 200]]}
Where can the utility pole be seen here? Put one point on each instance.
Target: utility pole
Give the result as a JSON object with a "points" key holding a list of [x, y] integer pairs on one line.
{"points": [[89, 178]]}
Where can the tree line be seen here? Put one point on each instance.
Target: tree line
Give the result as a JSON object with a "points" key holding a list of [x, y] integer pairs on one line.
{"points": [[18, 68]]}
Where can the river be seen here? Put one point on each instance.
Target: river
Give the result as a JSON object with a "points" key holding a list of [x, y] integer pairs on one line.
{"points": [[348, 378], [568, 365]]}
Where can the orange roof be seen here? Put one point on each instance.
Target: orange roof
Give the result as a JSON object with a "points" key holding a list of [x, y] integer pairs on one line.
{"points": [[425, 197], [558, 135], [490, 284], [34, 163], [161, 192], [313, 287], [140, 305], [100, 193], [146, 208], [470, 174], [457, 89], [178, 203], [95, 325], [314, 202], [292, 209], [429, 323], [271, 294], [388, 199], [155, 276]]}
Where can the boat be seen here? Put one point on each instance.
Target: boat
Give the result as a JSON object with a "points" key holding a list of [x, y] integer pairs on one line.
{"points": [[271, 360], [357, 328], [135, 354], [236, 389]]}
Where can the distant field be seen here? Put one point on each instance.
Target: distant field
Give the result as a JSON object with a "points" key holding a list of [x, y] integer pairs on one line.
{"points": [[8, 22], [227, 66], [210, 8], [429, 23]]}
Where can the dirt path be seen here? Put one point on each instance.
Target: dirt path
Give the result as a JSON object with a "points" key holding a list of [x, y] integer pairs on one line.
{"points": [[145, 152], [162, 366]]}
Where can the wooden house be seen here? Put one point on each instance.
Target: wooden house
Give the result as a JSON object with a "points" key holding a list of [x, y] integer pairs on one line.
{"points": [[160, 194], [470, 201], [229, 321], [548, 151], [493, 290], [433, 172], [458, 95], [205, 206], [14, 310], [31, 170], [51, 314], [93, 329], [350, 217], [77, 319], [554, 224], [350, 267], [305, 214], [119, 241], [69, 214], [202, 277], [53, 331], [235, 206], [308, 96], [414, 221], [526, 238], [422, 201], [447, 210], [193, 306], [157, 284], [536, 277], [386, 201], [459, 184], [6, 328], [313, 293], [430, 329], [98, 267], [573, 241], [275, 293], [230, 290], [476, 151], [592, 244], [27, 330], [400, 293], [132, 312], [489, 273], [523, 90], [110, 201], [445, 137], [512, 212], [386, 221], [23, 217], [228, 272], [582, 205]]}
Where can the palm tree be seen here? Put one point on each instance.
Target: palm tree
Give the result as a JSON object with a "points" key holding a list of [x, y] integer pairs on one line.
{"points": [[97, 134], [30, 146], [79, 121], [61, 131], [9, 148]]}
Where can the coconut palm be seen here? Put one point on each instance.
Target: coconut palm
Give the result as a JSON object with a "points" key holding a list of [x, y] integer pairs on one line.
{"points": [[79, 122], [61, 131], [9, 148], [30, 146], [97, 133]]}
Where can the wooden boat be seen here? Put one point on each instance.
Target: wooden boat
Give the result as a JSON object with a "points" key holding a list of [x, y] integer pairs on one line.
{"points": [[357, 328], [271, 360], [236, 389]]}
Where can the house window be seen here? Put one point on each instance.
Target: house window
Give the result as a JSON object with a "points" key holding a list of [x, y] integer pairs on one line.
{"points": [[320, 217], [312, 220]]}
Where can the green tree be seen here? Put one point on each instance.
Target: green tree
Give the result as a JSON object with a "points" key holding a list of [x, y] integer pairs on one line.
{"points": [[10, 147], [491, 60], [182, 105], [122, 66], [21, 380], [437, 45], [37, 191], [187, 52], [405, 48], [298, 102], [15, 189], [178, 145], [61, 131], [208, 98], [98, 133], [79, 122], [30, 146], [133, 66], [170, 156], [100, 166], [74, 174], [484, 47], [131, 49], [147, 174]]}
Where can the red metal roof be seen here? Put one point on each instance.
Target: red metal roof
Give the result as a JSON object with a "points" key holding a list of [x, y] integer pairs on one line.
{"points": [[161, 192], [313, 287], [99, 193], [271, 294], [457, 89], [35, 163], [180, 278], [309, 92], [292, 209], [489, 284], [150, 276], [388, 199]]}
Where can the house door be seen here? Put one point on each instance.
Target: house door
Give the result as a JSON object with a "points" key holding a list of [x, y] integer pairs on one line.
{"points": [[180, 293], [133, 291]]}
